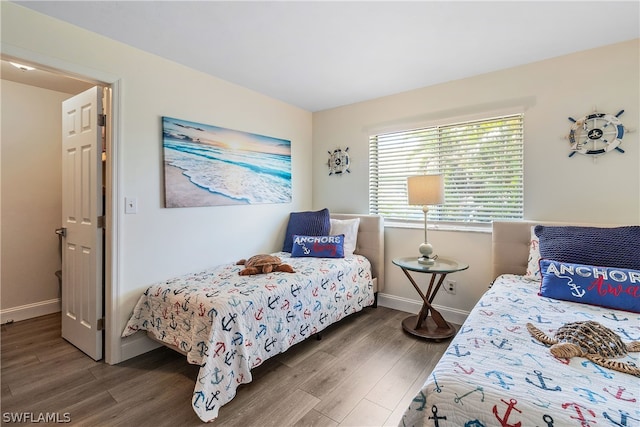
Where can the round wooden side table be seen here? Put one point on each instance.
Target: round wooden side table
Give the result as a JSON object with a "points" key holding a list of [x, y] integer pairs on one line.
{"points": [[429, 323]]}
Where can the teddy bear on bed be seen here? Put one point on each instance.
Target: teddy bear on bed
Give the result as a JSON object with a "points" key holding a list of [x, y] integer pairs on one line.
{"points": [[263, 263]]}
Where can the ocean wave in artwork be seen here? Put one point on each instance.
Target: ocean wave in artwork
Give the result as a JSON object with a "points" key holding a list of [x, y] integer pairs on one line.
{"points": [[242, 175]]}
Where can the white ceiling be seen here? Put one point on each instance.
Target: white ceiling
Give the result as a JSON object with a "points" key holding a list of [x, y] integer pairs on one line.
{"points": [[324, 54]]}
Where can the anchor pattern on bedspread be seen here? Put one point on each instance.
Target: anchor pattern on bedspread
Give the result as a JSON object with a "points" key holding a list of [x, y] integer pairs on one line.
{"points": [[494, 374], [229, 324]]}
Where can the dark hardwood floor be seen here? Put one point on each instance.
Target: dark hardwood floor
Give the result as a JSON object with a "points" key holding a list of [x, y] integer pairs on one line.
{"points": [[364, 372]]}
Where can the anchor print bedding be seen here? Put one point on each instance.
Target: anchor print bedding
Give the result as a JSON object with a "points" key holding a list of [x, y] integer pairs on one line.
{"points": [[494, 374], [229, 324]]}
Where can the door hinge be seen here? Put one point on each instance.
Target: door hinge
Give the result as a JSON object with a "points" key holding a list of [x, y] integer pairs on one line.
{"points": [[102, 119], [100, 325], [101, 221]]}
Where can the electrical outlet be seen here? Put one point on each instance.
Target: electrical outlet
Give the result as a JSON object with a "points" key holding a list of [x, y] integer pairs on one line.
{"points": [[450, 286]]}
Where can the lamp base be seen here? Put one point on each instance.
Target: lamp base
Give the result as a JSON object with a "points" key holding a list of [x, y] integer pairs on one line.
{"points": [[427, 260]]}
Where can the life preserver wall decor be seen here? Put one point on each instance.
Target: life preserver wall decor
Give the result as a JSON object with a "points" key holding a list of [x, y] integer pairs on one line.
{"points": [[596, 134], [339, 161]]}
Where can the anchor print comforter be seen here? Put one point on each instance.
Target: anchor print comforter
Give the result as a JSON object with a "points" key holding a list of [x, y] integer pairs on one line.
{"points": [[229, 324], [494, 374]]}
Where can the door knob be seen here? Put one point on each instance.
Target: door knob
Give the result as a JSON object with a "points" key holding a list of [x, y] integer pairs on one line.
{"points": [[61, 231]]}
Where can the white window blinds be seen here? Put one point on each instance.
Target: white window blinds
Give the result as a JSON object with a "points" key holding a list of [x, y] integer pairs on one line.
{"points": [[482, 163]]}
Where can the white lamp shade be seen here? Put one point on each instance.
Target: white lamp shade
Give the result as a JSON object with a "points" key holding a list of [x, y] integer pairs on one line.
{"points": [[425, 189]]}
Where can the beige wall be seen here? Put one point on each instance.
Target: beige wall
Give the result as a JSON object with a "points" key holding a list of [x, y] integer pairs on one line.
{"points": [[158, 243], [31, 200], [557, 187]]}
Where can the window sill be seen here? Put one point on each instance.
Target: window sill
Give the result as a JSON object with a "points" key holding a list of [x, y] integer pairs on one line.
{"points": [[440, 227]]}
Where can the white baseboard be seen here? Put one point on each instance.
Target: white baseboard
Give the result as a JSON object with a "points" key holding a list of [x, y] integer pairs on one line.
{"points": [[452, 315], [29, 311], [136, 345]]}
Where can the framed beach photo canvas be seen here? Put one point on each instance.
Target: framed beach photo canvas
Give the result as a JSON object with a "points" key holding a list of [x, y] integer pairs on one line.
{"points": [[208, 165]]}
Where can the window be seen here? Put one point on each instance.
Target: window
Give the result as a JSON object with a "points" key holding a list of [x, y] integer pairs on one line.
{"points": [[482, 163]]}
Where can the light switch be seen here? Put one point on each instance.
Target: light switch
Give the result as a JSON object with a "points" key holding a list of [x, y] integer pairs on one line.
{"points": [[130, 205]]}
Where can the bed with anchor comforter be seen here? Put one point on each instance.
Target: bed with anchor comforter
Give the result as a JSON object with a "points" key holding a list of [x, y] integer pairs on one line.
{"points": [[495, 374], [229, 324]]}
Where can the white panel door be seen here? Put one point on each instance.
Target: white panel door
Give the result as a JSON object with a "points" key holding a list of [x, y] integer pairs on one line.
{"points": [[82, 205]]}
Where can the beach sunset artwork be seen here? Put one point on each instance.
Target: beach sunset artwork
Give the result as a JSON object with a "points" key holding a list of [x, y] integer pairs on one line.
{"points": [[212, 166]]}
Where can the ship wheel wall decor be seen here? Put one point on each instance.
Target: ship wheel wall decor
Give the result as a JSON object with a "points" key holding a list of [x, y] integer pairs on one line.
{"points": [[596, 134], [339, 161]]}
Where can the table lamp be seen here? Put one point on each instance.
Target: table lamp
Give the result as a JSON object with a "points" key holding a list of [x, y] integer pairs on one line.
{"points": [[425, 190]]}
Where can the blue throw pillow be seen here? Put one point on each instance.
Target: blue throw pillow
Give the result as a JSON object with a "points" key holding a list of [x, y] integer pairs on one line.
{"points": [[608, 247], [306, 224], [318, 246], [609, 287]]}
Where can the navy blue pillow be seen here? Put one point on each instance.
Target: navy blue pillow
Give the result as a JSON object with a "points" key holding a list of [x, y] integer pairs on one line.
{"points": [[306, 224], [604, 247]]}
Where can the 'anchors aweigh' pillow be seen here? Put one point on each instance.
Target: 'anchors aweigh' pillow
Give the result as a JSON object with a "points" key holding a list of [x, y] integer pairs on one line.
{"points": [[318, 246], [609, 287]]}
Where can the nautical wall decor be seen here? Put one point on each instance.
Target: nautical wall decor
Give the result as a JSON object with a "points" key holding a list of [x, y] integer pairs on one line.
{"points": [[339, 161], [596, 134]]}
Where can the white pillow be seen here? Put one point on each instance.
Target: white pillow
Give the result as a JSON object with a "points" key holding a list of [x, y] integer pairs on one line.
{"points": [[533, 266], [348, 227]]}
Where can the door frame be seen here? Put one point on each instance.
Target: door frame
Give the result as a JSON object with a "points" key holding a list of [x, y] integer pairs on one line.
{"points": [[113, 184]]}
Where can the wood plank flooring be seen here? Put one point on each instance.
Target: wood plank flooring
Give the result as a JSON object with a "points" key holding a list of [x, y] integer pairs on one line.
{"points": [[363, 372]]}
